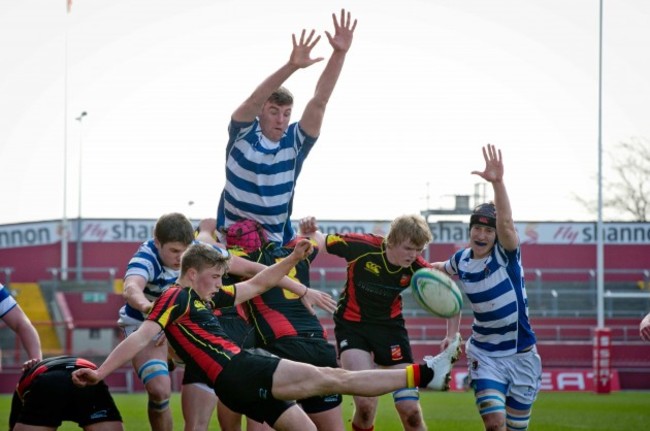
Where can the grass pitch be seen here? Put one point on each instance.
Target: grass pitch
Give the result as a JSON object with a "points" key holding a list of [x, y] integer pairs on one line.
{"points": [[453, 411]]}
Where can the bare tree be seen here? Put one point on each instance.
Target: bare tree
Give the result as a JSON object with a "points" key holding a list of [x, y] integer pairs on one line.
{"points": [[627, 189], [629, 192]]}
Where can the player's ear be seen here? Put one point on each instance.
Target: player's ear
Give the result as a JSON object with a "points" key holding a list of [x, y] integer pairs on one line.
{"points": [[192, 274]]}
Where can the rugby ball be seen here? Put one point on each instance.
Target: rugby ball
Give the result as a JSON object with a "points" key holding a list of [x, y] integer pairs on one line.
{"points": [[436, 292]]}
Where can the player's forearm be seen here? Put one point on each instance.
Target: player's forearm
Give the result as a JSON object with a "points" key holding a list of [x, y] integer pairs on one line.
{"points": [[251, 107], [244, 267], [124, 352], [274, 275], [502, 202], [136, 299], [453, 325], [328, 79], [506, 231], [30, 339], [292, 286]]}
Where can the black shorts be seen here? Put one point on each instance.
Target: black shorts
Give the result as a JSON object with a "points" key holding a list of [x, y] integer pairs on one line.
{"points": [[52, 398], [239, 331], [316, 351], [244, 386], [389, 344]]}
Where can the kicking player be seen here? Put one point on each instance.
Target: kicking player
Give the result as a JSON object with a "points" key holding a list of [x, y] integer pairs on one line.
{"points": [[152, 269]]}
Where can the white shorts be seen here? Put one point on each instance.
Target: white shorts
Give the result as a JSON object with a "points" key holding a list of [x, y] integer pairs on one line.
{"points": [[127, 323], [521, 372]]}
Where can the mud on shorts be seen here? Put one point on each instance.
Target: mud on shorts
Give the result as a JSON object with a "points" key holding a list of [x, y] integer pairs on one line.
{"points": [[521, 372]]}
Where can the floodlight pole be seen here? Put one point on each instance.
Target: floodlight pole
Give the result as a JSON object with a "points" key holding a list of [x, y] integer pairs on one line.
{"points": [[79, 229], [602, 335], [64, 218], [600, 267]]}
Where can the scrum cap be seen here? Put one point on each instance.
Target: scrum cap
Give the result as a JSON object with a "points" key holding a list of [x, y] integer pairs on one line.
{"points": [[485, 214], [246, 234]]}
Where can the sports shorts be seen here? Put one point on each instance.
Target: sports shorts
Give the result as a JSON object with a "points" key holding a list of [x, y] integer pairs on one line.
{"points": [[239, 331], [315, 351], [245, 384], [521, 373], [389, 344], [129, 324], [52, 398]]}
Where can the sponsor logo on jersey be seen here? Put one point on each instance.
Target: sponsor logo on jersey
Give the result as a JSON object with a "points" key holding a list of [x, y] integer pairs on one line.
{"points": [[373, 268]]}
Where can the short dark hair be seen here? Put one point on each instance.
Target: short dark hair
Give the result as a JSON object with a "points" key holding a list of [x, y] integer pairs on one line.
{"points": [[173, 227], [281, 97]]}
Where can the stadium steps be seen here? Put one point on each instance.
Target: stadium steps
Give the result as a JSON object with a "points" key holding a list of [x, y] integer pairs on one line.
{"points": [[31, 300]]}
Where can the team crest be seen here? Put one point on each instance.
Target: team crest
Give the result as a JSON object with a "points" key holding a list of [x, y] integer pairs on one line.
{"points": [[396, 353]]}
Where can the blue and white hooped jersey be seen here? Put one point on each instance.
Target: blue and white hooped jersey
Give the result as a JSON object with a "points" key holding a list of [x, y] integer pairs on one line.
{"points": [[147, 263], [260, 179], [7, 302], [496, 290]]}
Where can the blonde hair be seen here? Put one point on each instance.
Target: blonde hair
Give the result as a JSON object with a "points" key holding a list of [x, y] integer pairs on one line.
{"points": [[410, 227], [200, 256]]}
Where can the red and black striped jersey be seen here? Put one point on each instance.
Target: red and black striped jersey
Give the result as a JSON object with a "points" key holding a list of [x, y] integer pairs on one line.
{"points": [[277, 312], [192, 329], [372, 292]]}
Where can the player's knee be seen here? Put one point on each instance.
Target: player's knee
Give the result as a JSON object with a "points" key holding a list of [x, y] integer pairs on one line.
{"points": [[517, 421], [406, 394], [489, 402], [366, 403], [492, 408], [148, 372], [365, 407], [407, 404]]}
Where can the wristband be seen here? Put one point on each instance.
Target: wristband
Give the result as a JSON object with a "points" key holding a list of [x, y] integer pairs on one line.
{"points": [[303, 295]]}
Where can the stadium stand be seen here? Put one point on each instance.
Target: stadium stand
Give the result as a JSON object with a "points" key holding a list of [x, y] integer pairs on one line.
{"points": [[33, 303]]}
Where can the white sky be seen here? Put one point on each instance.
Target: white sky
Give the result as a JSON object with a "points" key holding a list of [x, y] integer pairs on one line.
{"points": [[425, 85]]}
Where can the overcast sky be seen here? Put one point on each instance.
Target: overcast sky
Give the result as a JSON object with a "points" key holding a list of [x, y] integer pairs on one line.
{"points": [[425, 85]]}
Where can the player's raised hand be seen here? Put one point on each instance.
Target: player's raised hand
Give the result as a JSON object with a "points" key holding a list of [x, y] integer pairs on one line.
{"points": [[343, 32], [307, 225], [301, 53], [316, 298], [493, 171]]}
